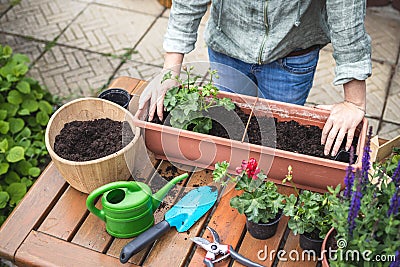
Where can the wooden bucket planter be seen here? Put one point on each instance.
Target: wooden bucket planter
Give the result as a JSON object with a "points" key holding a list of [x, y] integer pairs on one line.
{"points": [[86, 176], [204, 151]]}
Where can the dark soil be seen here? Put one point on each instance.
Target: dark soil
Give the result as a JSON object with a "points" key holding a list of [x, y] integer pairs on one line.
{"points": [[332, 242], [89, 140], [289, 136], [331, 246]]}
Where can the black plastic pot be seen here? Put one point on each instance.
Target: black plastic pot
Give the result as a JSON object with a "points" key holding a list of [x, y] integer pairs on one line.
{"points": [[116, 95], [308, 243], [263, 230]]}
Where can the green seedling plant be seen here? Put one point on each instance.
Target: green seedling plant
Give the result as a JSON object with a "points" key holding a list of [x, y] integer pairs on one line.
{"points": [[367, 218], [310, 212], [188, 103], [260, 201], [25, 108]]}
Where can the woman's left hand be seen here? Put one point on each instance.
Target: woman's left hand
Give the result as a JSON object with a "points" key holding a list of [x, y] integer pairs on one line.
{"points": [[344, 118]]}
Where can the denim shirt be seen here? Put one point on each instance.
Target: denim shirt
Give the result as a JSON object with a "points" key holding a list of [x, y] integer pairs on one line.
{"points": [[259, 31]]}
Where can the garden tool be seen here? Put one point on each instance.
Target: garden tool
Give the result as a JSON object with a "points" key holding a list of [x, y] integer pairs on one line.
{"points": [[128, 206], [182, 216], [215, 248]]}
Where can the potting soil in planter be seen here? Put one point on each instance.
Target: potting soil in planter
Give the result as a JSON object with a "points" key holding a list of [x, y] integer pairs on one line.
{"points": [[290, 135], [89, 140]]}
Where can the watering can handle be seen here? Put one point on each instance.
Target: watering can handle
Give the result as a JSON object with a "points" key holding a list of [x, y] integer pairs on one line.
{"points": [[90, 201]]}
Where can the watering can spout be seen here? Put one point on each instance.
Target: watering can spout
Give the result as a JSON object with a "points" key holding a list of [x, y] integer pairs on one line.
{"points": [[159, 196]]}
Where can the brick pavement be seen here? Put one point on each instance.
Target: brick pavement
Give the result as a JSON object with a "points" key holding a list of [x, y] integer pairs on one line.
{"points": [[77, 47]]}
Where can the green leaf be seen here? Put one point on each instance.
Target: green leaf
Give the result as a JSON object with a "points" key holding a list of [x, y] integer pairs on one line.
{"points": [[3, 114], [4, 197], [14, 97], [3, 145], [12, 177], [20, 69], [10, 108], [203, 125], [7, 51], [227, 103], [30, 104], [26, 132], [23, 167], [25, 143], [26, 181], [4, 86], [4, 127], [24, 112], [16, 154], [34, 171], [21, 58], [45, 107], [24, 87], [16, 191], [4, 167], [16, 125], [42, 118]]}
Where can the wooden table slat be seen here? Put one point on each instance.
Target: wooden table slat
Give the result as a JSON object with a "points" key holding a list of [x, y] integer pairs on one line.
{"points": [[92, 234], [127, 83], [292, 249], [62, 221], [30, 211], [227, 222], [176, 246], [40, 249]]}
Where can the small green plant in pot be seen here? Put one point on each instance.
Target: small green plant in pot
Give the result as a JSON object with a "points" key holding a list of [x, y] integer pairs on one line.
{"points": [[310, 214], [188, 103], [260, 201]]}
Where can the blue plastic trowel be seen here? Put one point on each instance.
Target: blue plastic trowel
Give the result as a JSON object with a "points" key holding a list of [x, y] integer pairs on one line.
{"points": [[182, 216]]}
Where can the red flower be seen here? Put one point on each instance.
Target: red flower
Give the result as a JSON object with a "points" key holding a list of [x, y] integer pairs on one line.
{"points": [[252, 169]]}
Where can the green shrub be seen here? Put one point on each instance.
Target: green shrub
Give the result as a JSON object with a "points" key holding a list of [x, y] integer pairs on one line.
{"points": [[25, 108]]}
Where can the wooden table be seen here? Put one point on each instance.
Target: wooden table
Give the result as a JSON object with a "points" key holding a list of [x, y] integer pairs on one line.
{"points": [[52, 227]]}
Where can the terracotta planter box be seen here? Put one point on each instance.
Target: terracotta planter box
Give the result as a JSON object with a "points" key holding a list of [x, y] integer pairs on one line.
{"points": [[204, 151]]}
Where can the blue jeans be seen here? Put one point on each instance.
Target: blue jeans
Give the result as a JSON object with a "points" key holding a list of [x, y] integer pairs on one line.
{"points": [[287, 80]]}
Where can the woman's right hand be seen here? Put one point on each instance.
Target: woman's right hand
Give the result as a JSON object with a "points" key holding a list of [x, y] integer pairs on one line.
{"points": [[152, 98]]}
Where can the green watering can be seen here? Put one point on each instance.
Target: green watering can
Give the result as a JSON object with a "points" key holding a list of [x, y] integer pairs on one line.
{"points": [[128, 206]]}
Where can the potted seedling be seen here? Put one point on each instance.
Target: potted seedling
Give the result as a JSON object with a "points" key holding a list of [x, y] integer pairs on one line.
{"points": [[260, 201], [255, 127], [310, 215], [366, 223]]}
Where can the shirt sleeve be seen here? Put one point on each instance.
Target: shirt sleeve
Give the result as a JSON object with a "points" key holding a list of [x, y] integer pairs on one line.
{"points": [[350, 41], [183, 25]]}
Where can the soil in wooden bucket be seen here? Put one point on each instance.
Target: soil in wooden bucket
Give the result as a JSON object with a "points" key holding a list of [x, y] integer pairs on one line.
{"points": [[89, 140]]}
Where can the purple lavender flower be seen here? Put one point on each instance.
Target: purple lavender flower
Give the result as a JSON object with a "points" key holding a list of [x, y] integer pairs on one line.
{"points": [[396, 175], [355, 205], [395, 200], [366, 158], [394, 203], [396, 262], [349, 178]]}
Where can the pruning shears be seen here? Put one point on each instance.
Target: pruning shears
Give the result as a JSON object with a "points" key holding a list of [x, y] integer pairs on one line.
{"points": [[215, 248]]}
